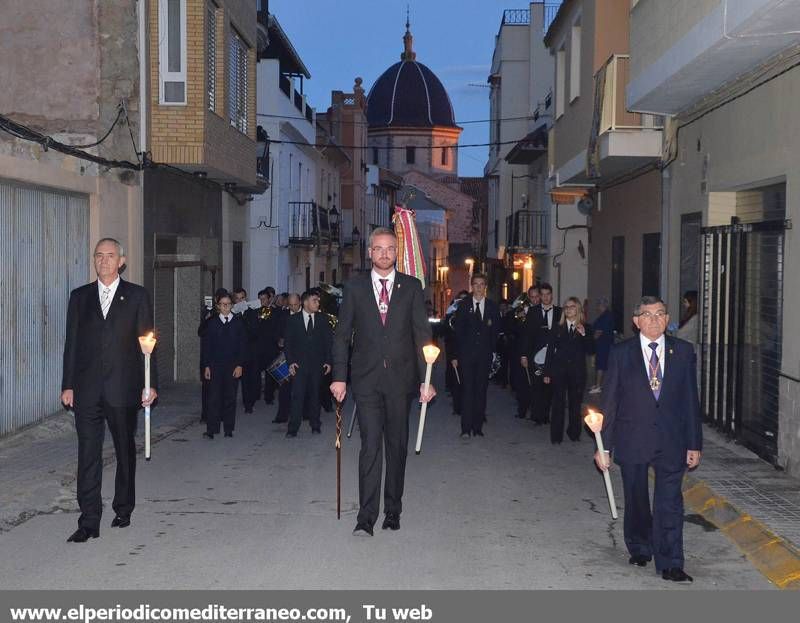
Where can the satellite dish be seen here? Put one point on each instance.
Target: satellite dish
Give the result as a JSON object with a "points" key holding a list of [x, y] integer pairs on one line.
{"points": [[585, 206]]}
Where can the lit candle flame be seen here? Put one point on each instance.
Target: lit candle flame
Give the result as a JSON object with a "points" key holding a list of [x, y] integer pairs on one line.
{"points": [[594, 420], [430, 352], [147, 343]]}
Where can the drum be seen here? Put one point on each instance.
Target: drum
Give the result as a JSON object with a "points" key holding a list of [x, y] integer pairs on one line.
{"points": [[279, 370]]}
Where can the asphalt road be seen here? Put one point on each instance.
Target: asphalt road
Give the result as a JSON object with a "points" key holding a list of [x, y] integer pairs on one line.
{"points": [[258, 511]]}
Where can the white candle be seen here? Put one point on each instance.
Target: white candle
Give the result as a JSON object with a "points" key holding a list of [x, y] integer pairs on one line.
{"points": [[147, 343], [594, 420], [430, 352]]}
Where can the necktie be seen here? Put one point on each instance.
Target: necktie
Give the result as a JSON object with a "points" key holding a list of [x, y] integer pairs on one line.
{"points": [[547, 317], [310, 325], [571, 330], [655, 371], [383, 301], [225, 320], [478, 311], [105, 301]]}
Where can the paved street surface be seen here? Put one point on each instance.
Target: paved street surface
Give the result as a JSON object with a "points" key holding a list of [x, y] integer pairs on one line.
{"points": [[508, 511]]}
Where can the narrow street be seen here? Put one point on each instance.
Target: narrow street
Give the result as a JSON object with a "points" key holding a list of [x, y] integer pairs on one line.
{"points": [[508, 511]]}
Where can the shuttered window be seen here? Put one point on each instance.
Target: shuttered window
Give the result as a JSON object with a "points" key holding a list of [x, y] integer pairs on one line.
{"points": [[237, 83]]}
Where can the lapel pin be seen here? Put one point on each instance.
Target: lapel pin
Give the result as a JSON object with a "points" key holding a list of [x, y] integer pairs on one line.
{"points": [[122, 298], [670, 351]]}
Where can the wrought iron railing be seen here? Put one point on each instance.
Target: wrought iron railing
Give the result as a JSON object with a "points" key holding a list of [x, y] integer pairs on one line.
{"points": [[528, 230], [310, 224]]}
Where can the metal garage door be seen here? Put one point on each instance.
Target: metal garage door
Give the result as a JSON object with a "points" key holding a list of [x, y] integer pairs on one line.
{"points": [[44, 253], [741, 331]]}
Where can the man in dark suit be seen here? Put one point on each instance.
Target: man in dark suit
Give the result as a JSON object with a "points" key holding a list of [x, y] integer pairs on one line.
{"points": [[539, 325], [383, 316], [251, 382], [103, 382], [308, 352], [476, 325], [293, 306], [267, 340], [222, 355], [652, 419]]}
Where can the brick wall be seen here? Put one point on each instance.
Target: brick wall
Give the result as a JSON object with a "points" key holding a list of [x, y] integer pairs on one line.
{"points": [[191, 134]]}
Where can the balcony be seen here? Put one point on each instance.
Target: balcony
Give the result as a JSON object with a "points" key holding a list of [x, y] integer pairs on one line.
{"points": [[528, 231], [312, 225], [684, 49], [621, 140]]}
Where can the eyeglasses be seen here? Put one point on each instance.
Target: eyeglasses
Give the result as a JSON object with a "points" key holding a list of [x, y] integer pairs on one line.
{"points": [[388, 250], [648, 315]]}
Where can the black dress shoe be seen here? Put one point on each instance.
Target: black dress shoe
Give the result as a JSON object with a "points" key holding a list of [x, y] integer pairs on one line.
{"points": [[248, 409], [81, 535], [676, 574], [208, 435], [465, 435], [477, 433], [316, 431], [520, 416], [229, 433], [391, 521], [291, 435], [120, 522], [639, 560], [362, 529]]}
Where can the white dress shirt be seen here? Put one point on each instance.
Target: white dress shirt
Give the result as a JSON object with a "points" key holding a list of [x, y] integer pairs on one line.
{"points": [[482, 303], [376, 284], [549, 313], [647, 352], [112, 292], [226, 319], [306, 316]]}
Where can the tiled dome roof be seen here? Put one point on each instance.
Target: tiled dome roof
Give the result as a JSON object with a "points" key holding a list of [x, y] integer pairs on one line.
{"points": [[408, 94]]}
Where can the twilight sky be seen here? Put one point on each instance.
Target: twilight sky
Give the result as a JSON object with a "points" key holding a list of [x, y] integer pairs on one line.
{"points": [[341, 39]]}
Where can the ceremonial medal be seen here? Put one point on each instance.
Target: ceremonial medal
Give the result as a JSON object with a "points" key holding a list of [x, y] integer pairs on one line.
{"points": [[655, 383], [383, 307]]}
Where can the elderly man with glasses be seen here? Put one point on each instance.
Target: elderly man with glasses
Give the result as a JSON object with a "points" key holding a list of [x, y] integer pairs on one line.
{"points": [[652, 419]]}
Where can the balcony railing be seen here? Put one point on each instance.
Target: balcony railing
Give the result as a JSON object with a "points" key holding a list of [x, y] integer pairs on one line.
{"points": [[516, 16], [309, 224], [528, 230], [611, 80], [285, 84]]}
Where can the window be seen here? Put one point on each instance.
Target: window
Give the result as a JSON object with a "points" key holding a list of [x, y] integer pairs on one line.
{"points": [[237, 83], [561, 57], [410, 155], [575, 62], [445, 159], [211, 54], [374, 155], [172, 52]]}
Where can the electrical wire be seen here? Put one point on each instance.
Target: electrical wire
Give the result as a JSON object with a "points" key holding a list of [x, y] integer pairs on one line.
{"points": [[342, 122], [105, 136], [399, 147]]}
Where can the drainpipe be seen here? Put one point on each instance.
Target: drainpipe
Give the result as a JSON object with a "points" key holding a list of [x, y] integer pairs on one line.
{"points": [[666, 211]]}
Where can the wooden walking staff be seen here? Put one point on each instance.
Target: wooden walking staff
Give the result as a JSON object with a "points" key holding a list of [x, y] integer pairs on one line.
{"points": [[594, 420], [147, 343], [338, 460], [430, 352]]}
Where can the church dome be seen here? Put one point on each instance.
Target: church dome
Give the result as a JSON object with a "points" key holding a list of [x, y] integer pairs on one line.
{"points": [[409, 94]]}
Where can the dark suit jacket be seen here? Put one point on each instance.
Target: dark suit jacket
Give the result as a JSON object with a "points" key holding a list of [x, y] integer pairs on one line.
{"points": [[537, 335], [102, 357], [398, 345], [568, 352], [636, 427], [310, 352], [224, 344], [475, 340]]}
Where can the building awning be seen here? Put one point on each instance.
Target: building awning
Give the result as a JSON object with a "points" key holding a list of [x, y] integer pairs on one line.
{"points": [[281, 48], [533, 146]]}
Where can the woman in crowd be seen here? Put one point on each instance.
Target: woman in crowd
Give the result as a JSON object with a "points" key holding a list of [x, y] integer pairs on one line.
{"points": [[688, 327], [565, 368]]}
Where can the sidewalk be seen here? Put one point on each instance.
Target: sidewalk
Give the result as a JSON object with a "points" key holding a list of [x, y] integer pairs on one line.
{"points": [[39, 464]]}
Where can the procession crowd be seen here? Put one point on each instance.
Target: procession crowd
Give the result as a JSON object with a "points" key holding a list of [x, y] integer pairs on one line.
{"points": [[371, 345]]}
